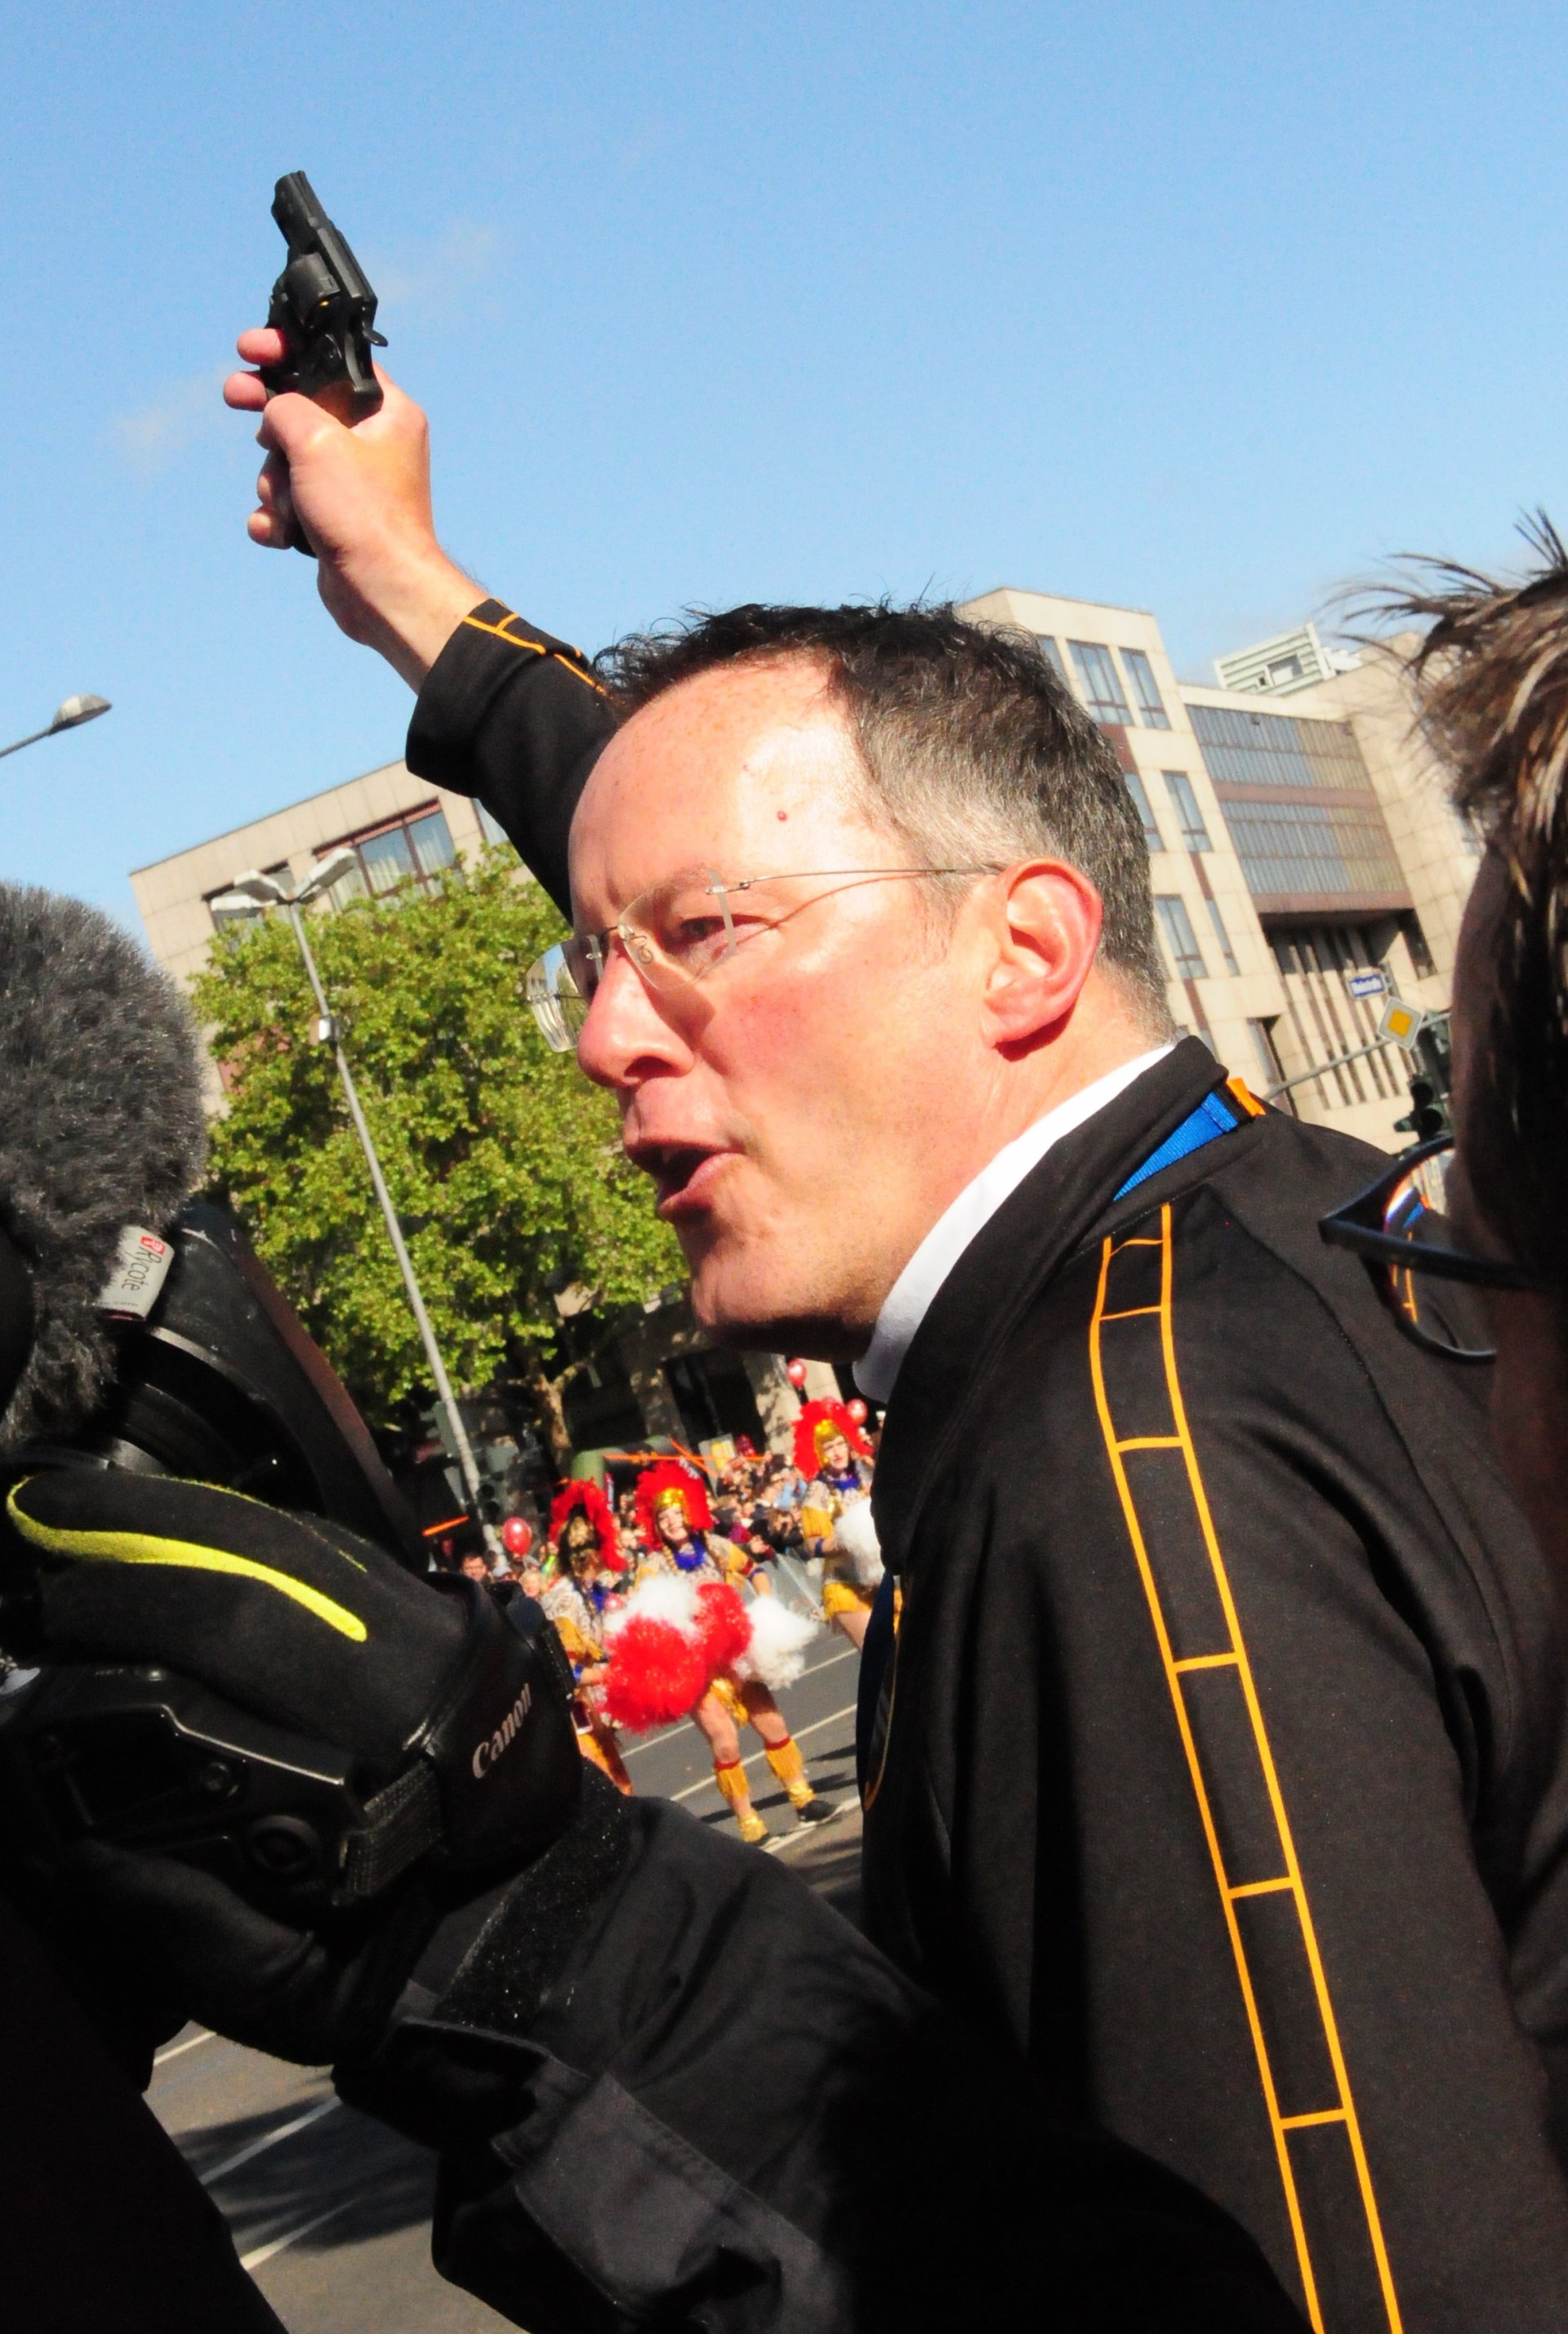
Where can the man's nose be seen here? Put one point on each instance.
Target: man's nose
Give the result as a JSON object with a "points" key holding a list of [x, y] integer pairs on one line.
{"points": [[626, 1038]]}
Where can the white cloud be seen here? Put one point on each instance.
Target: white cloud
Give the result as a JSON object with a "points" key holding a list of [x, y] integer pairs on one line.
{"points": [[183, 413]]}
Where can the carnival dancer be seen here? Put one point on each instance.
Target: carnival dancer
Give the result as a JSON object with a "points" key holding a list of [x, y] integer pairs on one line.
{"points": [[835, 1458], [588, 1558], [733, 1651]]}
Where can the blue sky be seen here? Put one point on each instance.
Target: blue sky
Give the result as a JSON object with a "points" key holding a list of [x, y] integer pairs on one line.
{"points": [[1202, 308]]}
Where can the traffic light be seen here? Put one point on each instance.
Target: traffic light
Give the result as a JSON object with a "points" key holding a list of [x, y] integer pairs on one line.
{"points": [[1429, 1112]]}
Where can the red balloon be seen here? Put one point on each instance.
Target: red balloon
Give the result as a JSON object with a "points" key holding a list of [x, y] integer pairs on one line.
{"points": [[796, 1374], [857, 1410], [516, 1535]]}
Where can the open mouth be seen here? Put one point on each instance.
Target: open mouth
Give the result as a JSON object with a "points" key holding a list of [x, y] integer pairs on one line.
{"points": [[682, 1172]]}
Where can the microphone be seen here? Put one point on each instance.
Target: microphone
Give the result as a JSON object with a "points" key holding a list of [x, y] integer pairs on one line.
{"points": [[102, 1129], [141, 1335], [157, 1341]]}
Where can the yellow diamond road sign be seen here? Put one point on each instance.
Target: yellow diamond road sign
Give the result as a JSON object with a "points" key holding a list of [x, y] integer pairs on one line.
{"points": [[1401, 1022]]}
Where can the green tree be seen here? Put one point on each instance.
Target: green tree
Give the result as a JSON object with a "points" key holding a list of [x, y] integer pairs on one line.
{"points": [[504, 1163]]}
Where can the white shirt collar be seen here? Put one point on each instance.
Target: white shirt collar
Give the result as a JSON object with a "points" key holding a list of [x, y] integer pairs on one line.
{"points": [[910, 1297]]}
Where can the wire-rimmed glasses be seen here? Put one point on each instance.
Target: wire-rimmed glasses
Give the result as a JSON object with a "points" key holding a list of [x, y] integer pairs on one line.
{"points": [[1397, 1227], [675, 932]]}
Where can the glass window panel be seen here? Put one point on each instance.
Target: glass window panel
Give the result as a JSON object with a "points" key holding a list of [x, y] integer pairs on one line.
{"points": [[1251, 749], [1336, 758], [1176, 924], [1152, 837], [1052, 655], [387, 861], [1097, 678], [490, 826], [1312, 847], [1278, 750], [1223, 937], [1188, 817], [430, 840], [1145, 690]]}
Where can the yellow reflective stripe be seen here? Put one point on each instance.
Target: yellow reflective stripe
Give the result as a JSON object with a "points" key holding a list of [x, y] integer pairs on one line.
{"points": [[143, 1547]]}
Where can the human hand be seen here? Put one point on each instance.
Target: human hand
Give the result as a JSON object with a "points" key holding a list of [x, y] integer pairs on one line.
{"points": [[360, 499], [450, 1715]]}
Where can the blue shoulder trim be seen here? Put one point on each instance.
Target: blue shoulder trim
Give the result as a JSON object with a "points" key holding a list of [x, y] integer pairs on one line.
{"points": [[1208, 1122]]}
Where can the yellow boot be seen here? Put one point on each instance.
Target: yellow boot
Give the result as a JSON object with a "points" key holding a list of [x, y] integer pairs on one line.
{"points": [[787, 1764], [732, 1783]]}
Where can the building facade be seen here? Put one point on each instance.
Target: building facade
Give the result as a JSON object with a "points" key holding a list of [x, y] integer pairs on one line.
{"points": [[1294, 847]]}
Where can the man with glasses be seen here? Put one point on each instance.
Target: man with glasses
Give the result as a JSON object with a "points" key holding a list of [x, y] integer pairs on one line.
{"points": [[1218, 1775]]}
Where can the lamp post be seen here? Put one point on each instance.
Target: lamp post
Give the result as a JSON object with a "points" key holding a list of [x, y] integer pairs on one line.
{"points": [[71, 715], [251, 895]]}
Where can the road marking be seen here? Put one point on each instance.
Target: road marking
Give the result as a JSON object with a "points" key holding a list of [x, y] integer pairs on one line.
{"points": [[651, 1741], [705, 1782], [175, 2049], [269, 2140], [292, 2236]]}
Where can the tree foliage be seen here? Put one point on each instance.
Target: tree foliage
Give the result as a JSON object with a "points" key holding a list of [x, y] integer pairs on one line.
{"points": [[504, 1163]]}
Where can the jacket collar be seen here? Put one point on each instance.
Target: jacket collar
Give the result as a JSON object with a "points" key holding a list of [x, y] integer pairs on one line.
{"points": [[1010, 1258]]}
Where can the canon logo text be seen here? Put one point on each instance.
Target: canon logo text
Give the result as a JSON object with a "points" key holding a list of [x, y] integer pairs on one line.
{"points": [[490, 1750]]}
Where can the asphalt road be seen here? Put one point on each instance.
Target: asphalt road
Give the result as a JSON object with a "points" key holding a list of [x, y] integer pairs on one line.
{"points": [[330, 2212]]}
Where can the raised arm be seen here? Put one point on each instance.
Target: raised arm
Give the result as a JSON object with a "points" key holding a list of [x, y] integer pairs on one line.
{"points": [[506, 712]]}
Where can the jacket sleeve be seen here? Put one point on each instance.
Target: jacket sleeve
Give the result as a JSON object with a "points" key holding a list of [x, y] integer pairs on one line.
{"points": [[671, 2086], [516, 719]]}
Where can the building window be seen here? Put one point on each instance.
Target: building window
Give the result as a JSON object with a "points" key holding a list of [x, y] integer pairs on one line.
{"points": [[1223, 937], [412, 849], [1097, 678], [1053, 656], [490, 827], [1180, 938], [1145, 690], [1276, 749], [1188, 817], [280, 869], [1322, 850], [1153, 839]]}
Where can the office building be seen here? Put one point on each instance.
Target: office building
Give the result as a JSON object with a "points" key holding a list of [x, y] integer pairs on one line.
{"points": [[1296, 847]]}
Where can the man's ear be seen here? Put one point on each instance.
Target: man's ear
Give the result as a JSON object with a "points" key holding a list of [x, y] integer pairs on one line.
{"points": [[1044, 931]]}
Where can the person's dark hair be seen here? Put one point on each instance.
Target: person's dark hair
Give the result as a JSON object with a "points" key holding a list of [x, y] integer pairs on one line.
{"points": [[973, 748], [1491, 679]]}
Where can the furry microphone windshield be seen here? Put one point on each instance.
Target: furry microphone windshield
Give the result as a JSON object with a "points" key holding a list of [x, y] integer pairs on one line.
{"points": [[101, 1126]]}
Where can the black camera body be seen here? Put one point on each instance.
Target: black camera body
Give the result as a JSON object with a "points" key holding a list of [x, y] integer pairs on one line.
{"points": [[221, 1383]]}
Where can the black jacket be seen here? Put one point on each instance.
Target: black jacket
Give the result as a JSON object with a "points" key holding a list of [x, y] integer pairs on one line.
{"points": [[1220, 1777]]}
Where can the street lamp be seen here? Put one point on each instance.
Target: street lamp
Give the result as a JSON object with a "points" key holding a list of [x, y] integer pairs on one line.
{"points": [[251, 895], [71, 715]]}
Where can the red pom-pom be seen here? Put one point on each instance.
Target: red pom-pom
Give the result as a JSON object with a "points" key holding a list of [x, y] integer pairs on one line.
{"points": [[723, 1625], [656, 1675]]}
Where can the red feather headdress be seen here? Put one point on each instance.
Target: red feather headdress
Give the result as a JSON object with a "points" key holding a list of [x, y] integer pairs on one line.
{"points": [[585, 1494], [667, 1478], [819, 1422]]}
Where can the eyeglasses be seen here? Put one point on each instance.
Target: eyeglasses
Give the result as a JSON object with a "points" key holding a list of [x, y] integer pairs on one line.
{"points": [[1397, 1227], [676, 933]]}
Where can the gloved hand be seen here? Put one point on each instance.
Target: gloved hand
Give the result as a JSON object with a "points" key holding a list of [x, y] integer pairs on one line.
{"points": [[440, 1722]]}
